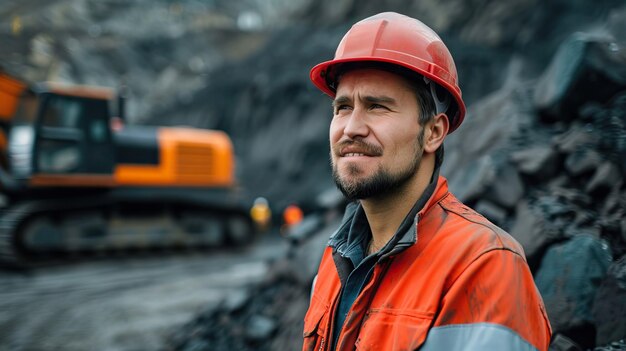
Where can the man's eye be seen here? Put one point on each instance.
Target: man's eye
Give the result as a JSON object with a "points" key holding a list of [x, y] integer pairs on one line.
{"points": [[376, 106], [342, 107]]}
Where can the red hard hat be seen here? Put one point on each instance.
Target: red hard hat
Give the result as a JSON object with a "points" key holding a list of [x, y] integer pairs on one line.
{"points": [[397, 39]]}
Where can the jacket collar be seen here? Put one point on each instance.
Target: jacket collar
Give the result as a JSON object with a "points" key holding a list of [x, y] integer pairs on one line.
{"points": [[354, 231]]}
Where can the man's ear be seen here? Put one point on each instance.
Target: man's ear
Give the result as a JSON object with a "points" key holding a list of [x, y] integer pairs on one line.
{"points": [[436, 131]]}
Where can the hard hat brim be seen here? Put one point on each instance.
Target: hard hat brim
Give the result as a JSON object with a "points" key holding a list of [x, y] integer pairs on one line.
{"points": [[319, 77]]}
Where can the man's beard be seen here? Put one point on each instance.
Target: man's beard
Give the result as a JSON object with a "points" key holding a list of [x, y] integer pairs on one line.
{"points": [[382, 182]]}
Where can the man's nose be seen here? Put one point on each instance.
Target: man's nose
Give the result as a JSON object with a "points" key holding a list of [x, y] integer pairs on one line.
{"points": [[356, 125]]}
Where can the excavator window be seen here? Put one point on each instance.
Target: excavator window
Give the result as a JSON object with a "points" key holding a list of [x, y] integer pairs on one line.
{"points": [[60, 136], [62, 113], [74, 136], [58, 157]]}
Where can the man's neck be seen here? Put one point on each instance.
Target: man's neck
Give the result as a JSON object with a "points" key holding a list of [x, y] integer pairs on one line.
{"points": [[385, 214]]}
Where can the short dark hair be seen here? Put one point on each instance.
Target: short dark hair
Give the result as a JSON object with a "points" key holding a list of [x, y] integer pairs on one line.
{"points": [[427, 109]]}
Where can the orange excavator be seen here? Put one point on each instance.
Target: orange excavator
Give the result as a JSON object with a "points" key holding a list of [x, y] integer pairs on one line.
{"points": [[74, 179]]}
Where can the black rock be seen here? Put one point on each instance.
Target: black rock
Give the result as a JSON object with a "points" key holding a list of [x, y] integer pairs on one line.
{"points": [[197, 345], [235, 301], [475, 153], [563, 343], [574, 138], [306, 256], [614, 346], [534, 232], [568, 287], [569, 199], [474, 181], [491, 211], [507, 188], [586, 68], [259, 328], [582, 161], [537, 161], [609, 306], [606, 178], [608, 123], [308, 227]]}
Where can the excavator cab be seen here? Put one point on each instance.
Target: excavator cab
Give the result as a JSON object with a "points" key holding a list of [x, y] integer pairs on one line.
{"points": [[60, 132]]}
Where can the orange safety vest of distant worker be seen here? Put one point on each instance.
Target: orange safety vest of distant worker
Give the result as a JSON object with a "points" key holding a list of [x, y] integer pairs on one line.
{"points": [[292, 215]]}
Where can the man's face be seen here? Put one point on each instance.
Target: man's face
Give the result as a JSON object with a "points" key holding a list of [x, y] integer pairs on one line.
{"points": [[375, 137]]}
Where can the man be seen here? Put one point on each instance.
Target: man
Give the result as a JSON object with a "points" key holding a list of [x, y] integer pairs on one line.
{"points": [[410, 266]]}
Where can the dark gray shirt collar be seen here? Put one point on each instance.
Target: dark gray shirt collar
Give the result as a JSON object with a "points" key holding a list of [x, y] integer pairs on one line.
{"points": [[353, 235]]}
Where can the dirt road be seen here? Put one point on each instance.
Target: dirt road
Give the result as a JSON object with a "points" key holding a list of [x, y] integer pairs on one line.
{"points": [[121, 304]]}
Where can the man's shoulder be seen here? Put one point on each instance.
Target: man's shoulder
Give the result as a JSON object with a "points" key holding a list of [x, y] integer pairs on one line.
{"points": [[476, 229]]}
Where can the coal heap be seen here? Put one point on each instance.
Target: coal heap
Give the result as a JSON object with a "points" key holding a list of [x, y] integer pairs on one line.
{"points": [[545, 159]]}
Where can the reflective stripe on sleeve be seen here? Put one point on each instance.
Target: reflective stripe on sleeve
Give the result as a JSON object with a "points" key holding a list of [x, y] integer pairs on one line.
{"points": [[474, 337]]}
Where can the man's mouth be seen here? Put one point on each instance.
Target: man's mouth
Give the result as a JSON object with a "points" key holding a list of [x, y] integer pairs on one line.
{"points": [[353, 154], [358, 149]]}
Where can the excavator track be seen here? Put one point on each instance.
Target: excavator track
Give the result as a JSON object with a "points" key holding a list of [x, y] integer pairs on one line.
{"points": [[50, 230], [9, 219], [12, 250]]}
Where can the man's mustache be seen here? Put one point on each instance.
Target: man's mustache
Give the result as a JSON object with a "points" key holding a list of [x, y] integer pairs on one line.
{"points": [[356, 146]]}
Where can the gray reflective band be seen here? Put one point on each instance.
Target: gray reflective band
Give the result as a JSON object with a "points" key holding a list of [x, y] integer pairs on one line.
{"points": [[475, 337]]}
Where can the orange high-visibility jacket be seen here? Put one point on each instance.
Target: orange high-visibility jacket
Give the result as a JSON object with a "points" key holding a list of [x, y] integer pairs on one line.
{"points": [[463, 285]]}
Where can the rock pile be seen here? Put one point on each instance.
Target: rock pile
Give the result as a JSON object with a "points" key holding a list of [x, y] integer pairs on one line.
{"points": [[544, 159], [556, 181], [268, 316], [264, 321]]}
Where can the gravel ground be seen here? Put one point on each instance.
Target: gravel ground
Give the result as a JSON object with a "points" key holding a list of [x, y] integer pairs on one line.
{"points": [[122, 304]]}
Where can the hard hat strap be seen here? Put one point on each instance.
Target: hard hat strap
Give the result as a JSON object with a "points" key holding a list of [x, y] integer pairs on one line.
{"points": [[441, 104]]}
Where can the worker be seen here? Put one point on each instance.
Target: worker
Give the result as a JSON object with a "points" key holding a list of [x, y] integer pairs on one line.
{"points": [[292, 216], [261, 214], [410, 267]]}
